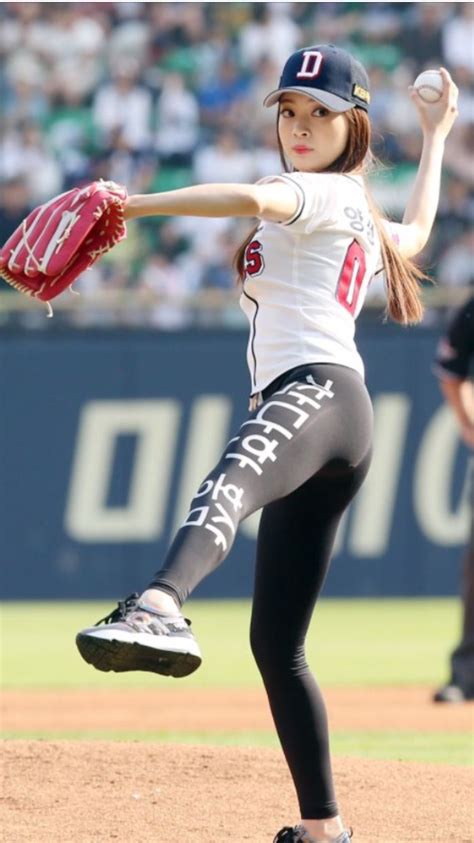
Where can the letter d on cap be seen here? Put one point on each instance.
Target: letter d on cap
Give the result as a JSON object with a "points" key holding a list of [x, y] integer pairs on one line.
{"points": [[311, 65]]}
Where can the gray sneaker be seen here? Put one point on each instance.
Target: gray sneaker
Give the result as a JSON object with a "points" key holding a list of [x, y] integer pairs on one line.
{"points": [[298, 834], [452, 693], [133, 637]]}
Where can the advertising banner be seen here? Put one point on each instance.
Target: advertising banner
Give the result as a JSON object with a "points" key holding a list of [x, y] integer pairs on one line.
{"points": [[106, 436]]}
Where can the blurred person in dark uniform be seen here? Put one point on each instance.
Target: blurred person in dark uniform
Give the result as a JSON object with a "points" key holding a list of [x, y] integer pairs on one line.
{"points": [[455, 370]]}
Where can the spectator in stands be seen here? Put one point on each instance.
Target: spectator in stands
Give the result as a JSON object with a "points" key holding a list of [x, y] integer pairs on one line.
{"points": [[124, 104], [265, 77], [455, 215], [271, 33], [14, 207], [125, 164], [177, 118], [68, 31], [266, 155], [24, 153], [185, 76], [460, 151], [130, 35], [163, 287], [382, 96], [457, 38], [219, 98], [379, 42], [24, 99], [223, 161], [421, 37], [456, 266], [203, 237], [70, 132], [218, 274]]}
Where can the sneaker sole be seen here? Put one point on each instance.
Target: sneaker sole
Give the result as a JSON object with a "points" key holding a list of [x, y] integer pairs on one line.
{"points": [[120, 656]]}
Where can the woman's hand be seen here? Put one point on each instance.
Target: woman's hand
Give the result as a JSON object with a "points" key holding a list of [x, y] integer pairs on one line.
{"points": [[437, 118]]}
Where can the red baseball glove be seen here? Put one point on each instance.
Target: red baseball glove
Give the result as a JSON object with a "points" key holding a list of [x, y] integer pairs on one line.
{"points": [[60, 239]]}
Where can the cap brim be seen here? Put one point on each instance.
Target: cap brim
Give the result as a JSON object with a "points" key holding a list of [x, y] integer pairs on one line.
{"points": [[331, 101]]}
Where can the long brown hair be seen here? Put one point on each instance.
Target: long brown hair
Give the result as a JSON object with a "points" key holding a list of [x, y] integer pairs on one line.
{"points": [[402, 275]]}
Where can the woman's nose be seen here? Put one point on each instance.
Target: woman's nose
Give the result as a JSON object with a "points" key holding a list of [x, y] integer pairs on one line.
{"points": [[301, 129]]}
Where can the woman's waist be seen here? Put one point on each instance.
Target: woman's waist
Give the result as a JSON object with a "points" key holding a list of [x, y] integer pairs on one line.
{"points": [[317, 371]]}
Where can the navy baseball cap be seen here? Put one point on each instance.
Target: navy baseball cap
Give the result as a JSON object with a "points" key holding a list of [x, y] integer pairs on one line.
{"points": [[327, 74]]}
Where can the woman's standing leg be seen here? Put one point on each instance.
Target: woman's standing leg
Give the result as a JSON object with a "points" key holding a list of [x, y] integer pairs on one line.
{"points": [[295, 541]]}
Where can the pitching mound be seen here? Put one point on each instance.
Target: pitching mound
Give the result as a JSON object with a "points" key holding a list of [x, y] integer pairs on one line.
{"points": [[84, 791], [76, 792]]}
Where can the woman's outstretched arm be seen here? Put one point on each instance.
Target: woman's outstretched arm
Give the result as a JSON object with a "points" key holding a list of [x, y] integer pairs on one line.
{"points": [[274, 202]]}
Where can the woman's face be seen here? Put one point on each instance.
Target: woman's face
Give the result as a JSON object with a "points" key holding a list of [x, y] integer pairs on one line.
{"points": [[312, 136]]}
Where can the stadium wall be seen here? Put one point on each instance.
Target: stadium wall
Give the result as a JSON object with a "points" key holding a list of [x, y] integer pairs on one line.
{"points": [[105, 436]]}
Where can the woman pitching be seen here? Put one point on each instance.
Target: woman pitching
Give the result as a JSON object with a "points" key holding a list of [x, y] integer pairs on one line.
{"points": [[305, 448]]}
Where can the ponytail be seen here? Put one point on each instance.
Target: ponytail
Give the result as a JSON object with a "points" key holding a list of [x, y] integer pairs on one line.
{"points": [[402, 276]]}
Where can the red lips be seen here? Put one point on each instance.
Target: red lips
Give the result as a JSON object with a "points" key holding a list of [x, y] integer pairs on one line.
{"points": [[300, 150]]}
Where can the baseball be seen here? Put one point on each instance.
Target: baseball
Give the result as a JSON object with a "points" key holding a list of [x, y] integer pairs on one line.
{"points": [[429, 85]]}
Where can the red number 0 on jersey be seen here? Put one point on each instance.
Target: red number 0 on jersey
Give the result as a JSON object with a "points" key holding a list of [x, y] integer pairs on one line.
{"points": [[351, 277]]}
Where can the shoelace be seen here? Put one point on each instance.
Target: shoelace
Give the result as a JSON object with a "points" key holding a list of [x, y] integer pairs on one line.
{"points": [[287, 835], [303, 836], [126, 609]]}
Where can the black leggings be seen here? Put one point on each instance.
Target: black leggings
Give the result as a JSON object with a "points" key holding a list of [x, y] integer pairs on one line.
{"points": [[301, 455]]}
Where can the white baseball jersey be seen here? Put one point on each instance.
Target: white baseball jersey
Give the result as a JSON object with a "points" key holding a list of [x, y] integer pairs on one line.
{"points": [[306, 279]]}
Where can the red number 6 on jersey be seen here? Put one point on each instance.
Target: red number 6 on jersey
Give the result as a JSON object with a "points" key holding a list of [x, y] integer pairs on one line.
{"points": [[351, 277]]}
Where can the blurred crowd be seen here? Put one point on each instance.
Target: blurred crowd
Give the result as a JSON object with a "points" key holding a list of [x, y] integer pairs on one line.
{"points": [[162, 95]]}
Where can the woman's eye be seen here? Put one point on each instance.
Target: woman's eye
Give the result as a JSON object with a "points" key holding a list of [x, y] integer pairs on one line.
{"points": [[318, 112]]}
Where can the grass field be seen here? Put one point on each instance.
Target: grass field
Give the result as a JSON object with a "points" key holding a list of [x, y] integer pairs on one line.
{"points": [[428, 747], [351, 644]]}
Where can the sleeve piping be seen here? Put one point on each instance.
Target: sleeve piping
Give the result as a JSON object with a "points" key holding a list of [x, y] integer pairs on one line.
{"points": [[301, 203], [299, 191]]}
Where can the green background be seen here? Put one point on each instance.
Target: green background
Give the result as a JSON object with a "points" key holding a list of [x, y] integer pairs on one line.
{"points": [[351, 643]]}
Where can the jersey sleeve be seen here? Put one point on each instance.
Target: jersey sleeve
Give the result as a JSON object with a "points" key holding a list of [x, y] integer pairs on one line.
{"points": [[455, 352], [315, 200], [395, 232]]}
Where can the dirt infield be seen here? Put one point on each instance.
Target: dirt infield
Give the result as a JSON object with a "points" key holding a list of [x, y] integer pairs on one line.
{"points": [[219, 710], [88, 791]]}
